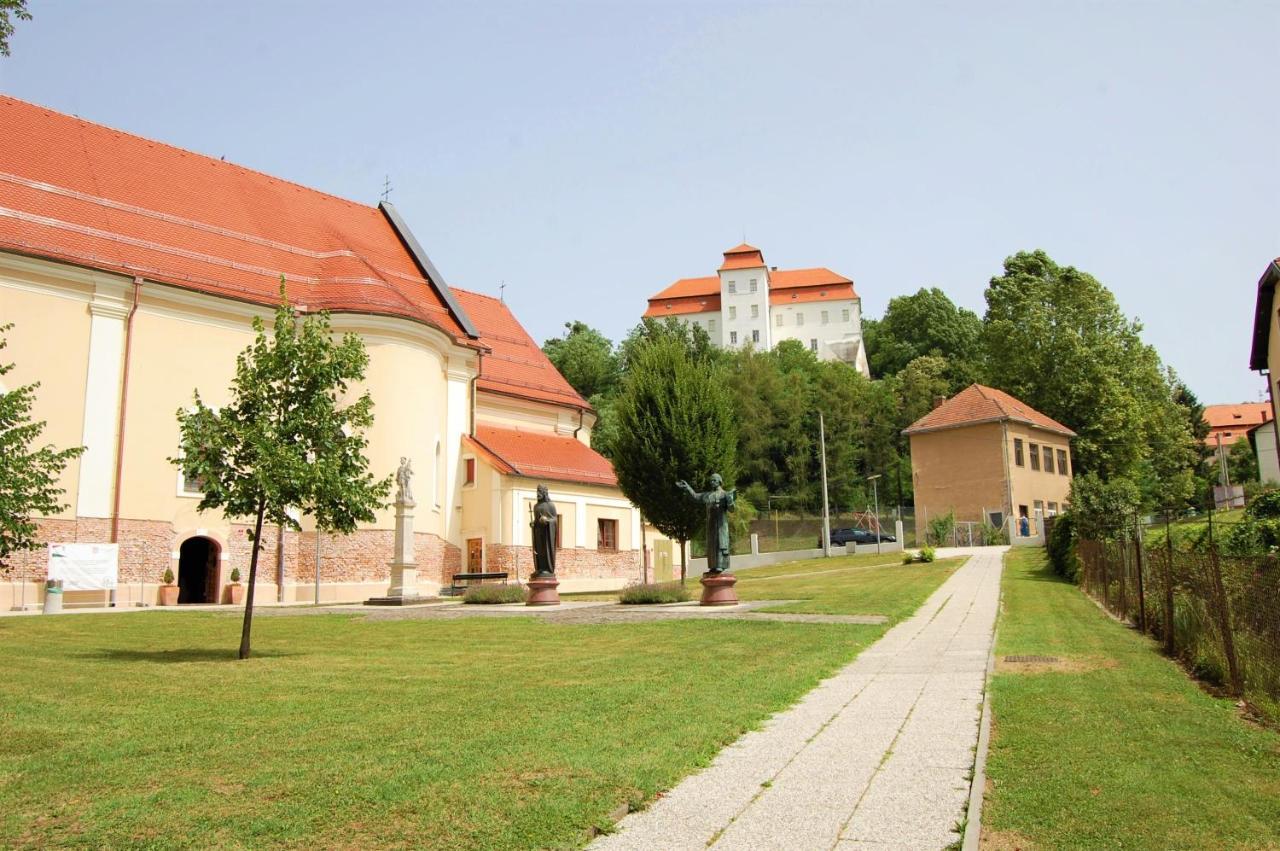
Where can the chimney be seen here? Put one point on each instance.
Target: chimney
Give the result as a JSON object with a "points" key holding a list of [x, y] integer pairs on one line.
{"points": [[937, 402]]}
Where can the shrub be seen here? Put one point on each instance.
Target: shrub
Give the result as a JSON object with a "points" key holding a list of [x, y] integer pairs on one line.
{"points": [[1263, 505], [167, 579], [492, 594], [1061, 548], [655, 592], [926, 553], [908, 557], [235, 574], [939, 529]]}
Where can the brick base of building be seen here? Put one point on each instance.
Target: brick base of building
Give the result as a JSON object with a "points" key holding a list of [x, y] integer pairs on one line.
{"points": [[571, 564]]}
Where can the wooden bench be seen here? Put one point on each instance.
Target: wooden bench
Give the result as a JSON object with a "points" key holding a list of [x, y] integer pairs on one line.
{"points": [[460, 580]]}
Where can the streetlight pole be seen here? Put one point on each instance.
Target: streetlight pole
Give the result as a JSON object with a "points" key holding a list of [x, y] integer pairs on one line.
{"points": [[875, 491], [826, 513]]}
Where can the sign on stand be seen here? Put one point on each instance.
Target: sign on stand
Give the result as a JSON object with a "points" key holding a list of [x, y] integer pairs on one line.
{"points": [[85, 567]]}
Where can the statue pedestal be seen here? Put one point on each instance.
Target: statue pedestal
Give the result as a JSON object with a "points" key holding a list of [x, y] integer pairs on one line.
{"points": [[403, 589], [542, 591], [717, 589]]}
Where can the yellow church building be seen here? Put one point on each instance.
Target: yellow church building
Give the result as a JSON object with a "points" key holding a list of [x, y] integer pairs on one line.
{"points": [[131, 272]]}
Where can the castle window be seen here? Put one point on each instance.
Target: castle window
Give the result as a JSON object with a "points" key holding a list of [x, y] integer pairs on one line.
{"points": [[755, 311], [799, 318], [733, 287], [733, 338], [778, 320], [733, 312], [813, 344], [753, 285], [825, 318], [844, 315], [755, 336]]}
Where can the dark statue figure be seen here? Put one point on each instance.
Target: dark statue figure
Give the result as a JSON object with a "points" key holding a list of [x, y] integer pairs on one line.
{"points": [[545, 521], [719, 503]]}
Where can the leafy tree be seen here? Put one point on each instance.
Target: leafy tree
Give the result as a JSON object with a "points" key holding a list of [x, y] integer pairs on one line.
{"points": [[284, 441], [586, 359], [675, 421], [694, 338], [10, 11], [926, 323], [1242, 462], [1100, 508], [28, 475]]}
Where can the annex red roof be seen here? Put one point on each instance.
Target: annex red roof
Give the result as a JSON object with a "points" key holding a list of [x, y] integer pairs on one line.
{"points": [[82, 193], [1232, 422], [786, 286], [742, 257], [516, 365], [538, 455], [980, 404]]}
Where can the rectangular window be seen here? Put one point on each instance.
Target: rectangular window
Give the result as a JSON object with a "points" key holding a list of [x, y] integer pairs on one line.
{"points": [[1048, 459], [1053, 509], [607, 534], [471, 471], [1017, 452], [1062, 462], [753, 285], [733, 312], [733, 287], [1035, 457], [711, 325], [813, 344], [1039, 504], [799, 318], [190, 486], [733, 338], [825, 318], [755, 336], [778, 320], [844, 315], [755, 311]]}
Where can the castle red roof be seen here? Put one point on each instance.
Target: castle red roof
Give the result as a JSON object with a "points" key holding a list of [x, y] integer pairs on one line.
{"points": [[786, 286], [538, 455], [516, 365], [82, 193], [980, 404]]}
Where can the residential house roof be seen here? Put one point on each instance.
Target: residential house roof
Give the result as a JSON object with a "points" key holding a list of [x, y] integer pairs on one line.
{"points": [[515, 366], [978, 403], [786, 286], [539, 455], [1231, 422], [82, 193], [1262, 315]]}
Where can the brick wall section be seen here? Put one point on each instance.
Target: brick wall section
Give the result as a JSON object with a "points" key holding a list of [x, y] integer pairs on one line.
{"points": [[575, 563], [145, 546]]}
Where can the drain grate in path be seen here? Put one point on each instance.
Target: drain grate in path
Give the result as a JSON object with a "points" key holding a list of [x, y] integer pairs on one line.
{"points": [[1042, 660]]}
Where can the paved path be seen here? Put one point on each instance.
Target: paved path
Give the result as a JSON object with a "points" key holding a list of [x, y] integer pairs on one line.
{"points": [[878, 757]]}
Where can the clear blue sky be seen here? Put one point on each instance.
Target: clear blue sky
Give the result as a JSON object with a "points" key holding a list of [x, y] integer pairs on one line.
{"points": [[588, 154]]}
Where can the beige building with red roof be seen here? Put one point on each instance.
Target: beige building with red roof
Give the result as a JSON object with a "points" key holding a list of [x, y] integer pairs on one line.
{"points": [[132, 271], [1229, 423], [985, 456], [747, 303]]}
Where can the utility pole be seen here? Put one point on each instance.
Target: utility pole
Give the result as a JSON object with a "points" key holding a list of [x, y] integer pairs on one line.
{"points": [[875, 491], [826, 513]]}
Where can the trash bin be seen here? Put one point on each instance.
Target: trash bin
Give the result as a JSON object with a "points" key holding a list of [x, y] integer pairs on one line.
{"points": [[53, 596]]}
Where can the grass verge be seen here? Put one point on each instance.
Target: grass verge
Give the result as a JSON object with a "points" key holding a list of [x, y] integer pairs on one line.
{"points": [[1113, 747]]}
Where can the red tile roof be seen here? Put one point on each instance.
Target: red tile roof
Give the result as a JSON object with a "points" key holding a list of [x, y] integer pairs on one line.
{"points": [[742, 257], [786, 286], [516, 365], [86, 194], [538, 455], [980, 404], [1232, 422]]}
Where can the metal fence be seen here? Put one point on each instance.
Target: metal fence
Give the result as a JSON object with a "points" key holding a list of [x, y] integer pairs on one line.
{"points": [[1218, 613]]}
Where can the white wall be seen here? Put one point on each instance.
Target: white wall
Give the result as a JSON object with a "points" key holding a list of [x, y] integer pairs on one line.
{"points": [[835, 337], [1268, 465], [741, 302], [711, 321]]}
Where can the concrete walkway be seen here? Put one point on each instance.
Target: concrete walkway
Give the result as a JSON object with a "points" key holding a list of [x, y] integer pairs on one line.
{"points": [[878, 757]]}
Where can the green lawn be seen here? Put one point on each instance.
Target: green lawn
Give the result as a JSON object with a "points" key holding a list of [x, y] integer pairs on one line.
{"points": [[852, 585], [1119, 749], [141, 730]]}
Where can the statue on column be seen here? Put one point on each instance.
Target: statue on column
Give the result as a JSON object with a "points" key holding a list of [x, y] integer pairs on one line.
{"points": [[719, 503], [544, 524], [404, 489]]}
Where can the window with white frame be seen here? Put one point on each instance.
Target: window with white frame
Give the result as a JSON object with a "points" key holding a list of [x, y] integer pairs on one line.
{"points": [[733, 312], [711, 325], [733, 287], [753, 285], [813, 344], [799, 318], [778, 320], [755, 336], [825, 318], [755, 311], [844, 315], [733, 338]]}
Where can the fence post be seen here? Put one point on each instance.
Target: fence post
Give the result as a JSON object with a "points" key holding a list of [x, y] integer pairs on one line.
{"points": [[1168, 587], [1142, 596], [1106, 584], [1224, 615]]}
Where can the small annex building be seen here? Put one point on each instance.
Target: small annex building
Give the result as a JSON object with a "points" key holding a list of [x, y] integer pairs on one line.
{"points": [[987, 457], [1264, 356], [132, 270]]}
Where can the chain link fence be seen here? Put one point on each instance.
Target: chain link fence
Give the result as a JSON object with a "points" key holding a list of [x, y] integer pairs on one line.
{"points": [[1218, 613]]}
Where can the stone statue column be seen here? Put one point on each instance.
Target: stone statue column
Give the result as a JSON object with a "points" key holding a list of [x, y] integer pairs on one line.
{"points": [[404, 567]]}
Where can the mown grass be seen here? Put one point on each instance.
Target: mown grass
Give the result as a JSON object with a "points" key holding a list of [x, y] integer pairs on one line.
{"points": [[1116, 748], [142, 730], [853, 585]]}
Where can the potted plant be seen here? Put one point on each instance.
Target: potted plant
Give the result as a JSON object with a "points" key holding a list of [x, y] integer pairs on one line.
{"points": [[235, 591], [168, 590]]}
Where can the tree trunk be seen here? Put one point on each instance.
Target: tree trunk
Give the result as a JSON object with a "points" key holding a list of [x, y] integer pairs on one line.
{"points": [[683, 542], [253, 579]]}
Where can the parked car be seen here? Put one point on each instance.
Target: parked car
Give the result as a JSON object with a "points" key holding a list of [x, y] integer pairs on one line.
{"points": [[840, 537]]}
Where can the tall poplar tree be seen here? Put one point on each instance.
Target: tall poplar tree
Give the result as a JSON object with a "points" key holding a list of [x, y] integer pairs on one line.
{"points": [[284, 441]]}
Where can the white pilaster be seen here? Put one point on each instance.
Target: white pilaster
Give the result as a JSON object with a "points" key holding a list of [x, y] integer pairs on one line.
{"points": [[457, 422], [580, 523], [108, 310]]}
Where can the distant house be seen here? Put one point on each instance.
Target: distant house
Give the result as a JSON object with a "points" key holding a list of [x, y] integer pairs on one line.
{"points": [[985, 456], [1229, 423], [1266, 336], [1263, 439]]}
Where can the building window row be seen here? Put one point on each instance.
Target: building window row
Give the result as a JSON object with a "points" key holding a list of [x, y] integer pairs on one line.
{"points": [[1034, 450]]}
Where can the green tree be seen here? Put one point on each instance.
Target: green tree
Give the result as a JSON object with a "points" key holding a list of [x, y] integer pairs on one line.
{"points": [[926, 323], [1102, 509], [586, 359], [675, 421], [28, 474], [283, 441], [10, 11], [1242, 462]]}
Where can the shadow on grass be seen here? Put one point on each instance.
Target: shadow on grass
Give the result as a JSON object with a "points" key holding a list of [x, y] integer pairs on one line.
{"points": [[182, 654]]}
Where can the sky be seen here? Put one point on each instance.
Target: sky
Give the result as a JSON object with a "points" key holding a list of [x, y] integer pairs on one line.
{"points": [[589, 154]]}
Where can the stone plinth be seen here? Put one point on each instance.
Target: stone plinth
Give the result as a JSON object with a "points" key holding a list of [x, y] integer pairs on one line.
{"points": [[717, 589], [542, 591], [404, 569]]}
